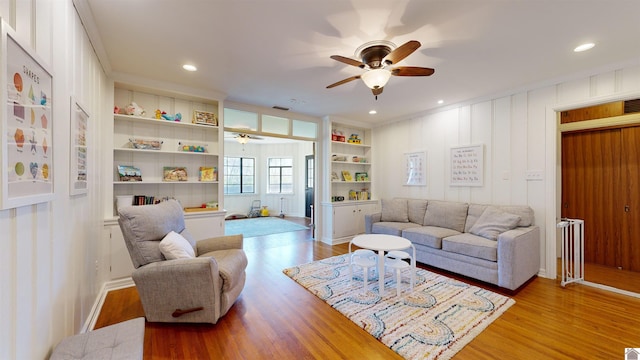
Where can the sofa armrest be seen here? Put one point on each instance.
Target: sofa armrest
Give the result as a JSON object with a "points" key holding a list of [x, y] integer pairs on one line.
{"points": [[219, 243], [166, 286], [369, 220], [518, 256]]}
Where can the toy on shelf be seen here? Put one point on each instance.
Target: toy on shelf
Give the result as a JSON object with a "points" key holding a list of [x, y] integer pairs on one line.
{"points": [[337, 135], [354, 139], [116, 109], [158, 114], [176, 117], [134, 109]]}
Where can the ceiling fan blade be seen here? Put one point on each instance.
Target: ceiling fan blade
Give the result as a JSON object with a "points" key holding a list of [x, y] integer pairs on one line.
{"points": [[412, 71], [377, 91], [401, 52], [343, 81], [348, 61]]}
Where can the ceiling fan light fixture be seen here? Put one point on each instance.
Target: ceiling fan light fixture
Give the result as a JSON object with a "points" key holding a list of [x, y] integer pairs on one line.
{"points": [[242, 139], [376, 78]]}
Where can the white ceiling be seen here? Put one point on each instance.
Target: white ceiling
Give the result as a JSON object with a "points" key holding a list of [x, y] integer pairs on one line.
{"points": [[276, 52]]}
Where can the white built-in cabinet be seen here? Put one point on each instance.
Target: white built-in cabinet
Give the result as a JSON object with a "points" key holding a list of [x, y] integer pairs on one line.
{"points": [[154, 162], [349, 196], [348, 218]]}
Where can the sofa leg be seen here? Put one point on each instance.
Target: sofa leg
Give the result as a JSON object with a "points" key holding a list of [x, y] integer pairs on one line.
{"points": [[180, 312]]}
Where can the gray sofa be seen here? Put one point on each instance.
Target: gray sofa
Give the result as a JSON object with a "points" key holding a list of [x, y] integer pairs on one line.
{"points": [[495, 244]]}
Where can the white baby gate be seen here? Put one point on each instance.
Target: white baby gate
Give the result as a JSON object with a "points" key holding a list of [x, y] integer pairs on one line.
{"points": [[572, 250]]}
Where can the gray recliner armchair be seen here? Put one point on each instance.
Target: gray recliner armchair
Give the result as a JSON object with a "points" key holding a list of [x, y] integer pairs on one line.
{"points": [[194, 290]]}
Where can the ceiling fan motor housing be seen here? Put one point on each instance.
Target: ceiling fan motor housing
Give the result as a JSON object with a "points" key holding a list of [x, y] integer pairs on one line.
{"points": [[373, 55]]}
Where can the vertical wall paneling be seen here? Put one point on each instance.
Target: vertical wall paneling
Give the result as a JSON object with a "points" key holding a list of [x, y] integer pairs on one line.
{"points": [[47, 270], [42, 23], [481, 125], [23, 277], [604, 84], [500, 152], [518, 150], [630, 79]]}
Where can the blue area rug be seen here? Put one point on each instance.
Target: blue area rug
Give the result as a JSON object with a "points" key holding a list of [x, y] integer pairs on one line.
{"points": [[260, 226]]}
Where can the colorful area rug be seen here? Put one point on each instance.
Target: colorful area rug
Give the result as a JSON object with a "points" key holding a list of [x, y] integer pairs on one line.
{"points": [[260, 226], [435, 321]]}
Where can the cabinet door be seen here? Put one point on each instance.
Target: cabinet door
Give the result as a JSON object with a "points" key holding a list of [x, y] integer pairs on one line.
{"points": [[365, 209], [121, 265], [205, 227], [344, 221]]}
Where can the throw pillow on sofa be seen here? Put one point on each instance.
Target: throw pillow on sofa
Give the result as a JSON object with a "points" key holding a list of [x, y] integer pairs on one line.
{"points": [[493, 222], [395, 210]]}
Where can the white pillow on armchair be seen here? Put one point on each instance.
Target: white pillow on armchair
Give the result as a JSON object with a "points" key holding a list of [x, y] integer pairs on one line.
{"points": [[175, 246]]}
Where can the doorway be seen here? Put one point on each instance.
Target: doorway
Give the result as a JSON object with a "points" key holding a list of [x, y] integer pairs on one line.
{"points": [[600, 184], [309, 177]]}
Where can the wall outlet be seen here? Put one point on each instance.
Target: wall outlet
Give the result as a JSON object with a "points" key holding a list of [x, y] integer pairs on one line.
{"points": [[533, 175]]}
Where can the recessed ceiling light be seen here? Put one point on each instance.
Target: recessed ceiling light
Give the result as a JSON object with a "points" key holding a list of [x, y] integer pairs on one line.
{"points": [[440, 101], [584, 47], [372, 112], [189, 67]]}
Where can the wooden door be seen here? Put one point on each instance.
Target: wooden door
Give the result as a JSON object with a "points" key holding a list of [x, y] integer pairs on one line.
{"points": [[630, 247], [590, 191]]}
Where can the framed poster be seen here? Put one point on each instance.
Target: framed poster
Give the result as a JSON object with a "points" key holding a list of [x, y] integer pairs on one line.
{"points": [[416, 168], [78, 149], [467, 165], [27, 125]]}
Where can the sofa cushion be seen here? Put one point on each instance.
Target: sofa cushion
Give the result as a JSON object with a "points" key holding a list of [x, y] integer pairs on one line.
{"points": [[430, 236], [493, 222], [471, 245], [417, 208], [391, 228], [395, 210], [475, 211], [446, 214]]}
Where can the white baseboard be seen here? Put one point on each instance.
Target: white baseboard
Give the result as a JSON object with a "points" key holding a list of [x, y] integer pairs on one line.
{"points": [[97, 306], [610, 288]]}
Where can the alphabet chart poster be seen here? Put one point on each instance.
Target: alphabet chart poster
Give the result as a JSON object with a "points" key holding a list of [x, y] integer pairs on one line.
{"points": [[467, 165]]}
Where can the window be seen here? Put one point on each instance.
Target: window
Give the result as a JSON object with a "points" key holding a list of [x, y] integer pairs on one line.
{"points": [[280, 176], [239, 175]]}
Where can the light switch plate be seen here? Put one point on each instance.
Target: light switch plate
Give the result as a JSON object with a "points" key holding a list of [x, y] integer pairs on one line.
{"points": [[533, 175]]}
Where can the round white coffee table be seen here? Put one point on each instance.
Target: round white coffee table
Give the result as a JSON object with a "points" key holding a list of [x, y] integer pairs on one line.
{"points": [[382, 243]]}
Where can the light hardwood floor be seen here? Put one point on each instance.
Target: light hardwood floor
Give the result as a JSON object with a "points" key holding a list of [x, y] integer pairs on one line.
{"points": [[275, 318]]}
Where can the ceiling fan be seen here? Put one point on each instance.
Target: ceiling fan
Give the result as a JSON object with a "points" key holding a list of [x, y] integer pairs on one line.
{"points": [[377, 58], [244, 138]]}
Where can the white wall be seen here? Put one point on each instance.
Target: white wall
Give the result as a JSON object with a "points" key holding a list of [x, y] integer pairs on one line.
{"points": [[48, 251], [294, 204], [519, 133]]}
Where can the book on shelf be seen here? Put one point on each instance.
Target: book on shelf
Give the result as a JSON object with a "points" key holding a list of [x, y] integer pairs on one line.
{"points": [[171, 173], [362, 176], [208, 173], [346, 175], [129, 173]]}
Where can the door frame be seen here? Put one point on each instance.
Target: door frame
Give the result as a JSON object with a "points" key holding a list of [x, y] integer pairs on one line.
{"points": [[553, 136]]}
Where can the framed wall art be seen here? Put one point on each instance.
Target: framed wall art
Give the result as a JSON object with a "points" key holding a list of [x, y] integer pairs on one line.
{"points": [[205, 118], [467, 165], [78, 149], [415, 168], [27, 124]]}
